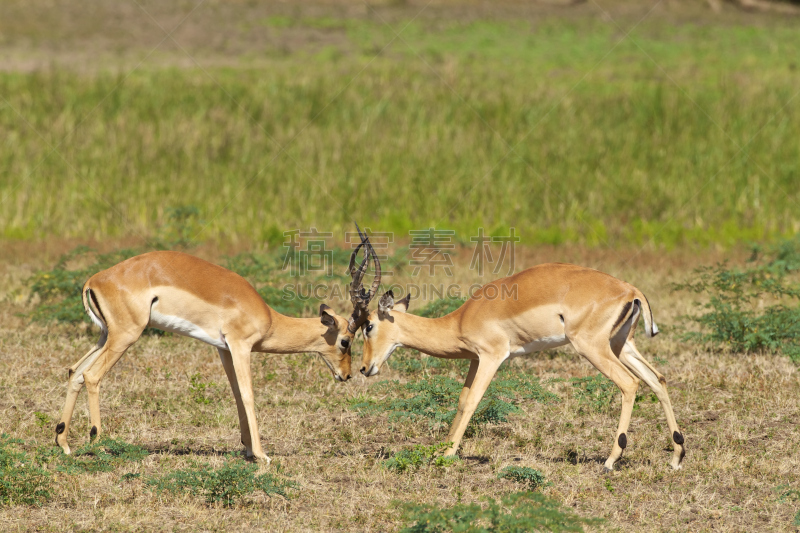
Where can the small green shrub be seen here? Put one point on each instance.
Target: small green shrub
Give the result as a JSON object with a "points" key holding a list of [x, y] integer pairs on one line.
{"points": [[287, 303], [753, 308], [523, 474], [411, 362], [516, 513], [104, 455], [228, 485], [199, 389], [596, 391], [436, 398], [418, 456], [42, 419], [439, 308], [793, 495], [22, 480]]}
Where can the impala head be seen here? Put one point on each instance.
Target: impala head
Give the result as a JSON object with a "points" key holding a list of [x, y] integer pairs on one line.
{"points": [[339, 341], [381, 333]]}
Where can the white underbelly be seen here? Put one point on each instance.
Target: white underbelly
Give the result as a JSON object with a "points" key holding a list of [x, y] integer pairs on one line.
{"points": [[540, 344], [184, 327]]}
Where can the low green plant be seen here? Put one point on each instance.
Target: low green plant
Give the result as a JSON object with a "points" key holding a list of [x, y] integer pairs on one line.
{"points": [[442, 307], [200, 389], [523, 474], [412, 362], [786, 493], [42, 419], [227, 485], [516, 513], [436, 398], [22, 480], [752, 308], [104, 455], [595, 391], [418, 456]]}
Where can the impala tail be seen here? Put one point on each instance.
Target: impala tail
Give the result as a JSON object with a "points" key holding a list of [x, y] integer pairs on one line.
{"points": [[92, 307], [650, 328], [630, 314]]}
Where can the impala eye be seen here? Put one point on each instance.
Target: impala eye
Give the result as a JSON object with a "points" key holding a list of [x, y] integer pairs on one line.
{"points": [[345, 343], [369, 327]]}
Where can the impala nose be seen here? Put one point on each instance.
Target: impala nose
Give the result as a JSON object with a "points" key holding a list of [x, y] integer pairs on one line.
{"points": [[364, 370]]}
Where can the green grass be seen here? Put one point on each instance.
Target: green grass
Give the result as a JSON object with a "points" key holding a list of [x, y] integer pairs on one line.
{"points": [[598, 392], [442, 307], [787, 494], [418, 456], [105, 455], [515, 513], [751, 308], [22, 481], [228, 485], [436, 398], [524, 475], [633, 141]]}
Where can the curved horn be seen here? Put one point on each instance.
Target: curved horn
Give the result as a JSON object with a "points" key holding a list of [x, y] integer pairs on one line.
{"points": [[357, 294], [376, 281]]}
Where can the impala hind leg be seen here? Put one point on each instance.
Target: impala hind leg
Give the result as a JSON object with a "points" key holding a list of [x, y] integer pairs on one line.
{"points": [[631, 358], [599, 353], [240, 357], [74, 386], [114, 349], [485, 370], [227, 364]]}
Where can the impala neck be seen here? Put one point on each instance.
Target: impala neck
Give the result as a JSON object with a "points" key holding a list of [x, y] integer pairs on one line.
{"points": [[288, 335], [439, 337]]}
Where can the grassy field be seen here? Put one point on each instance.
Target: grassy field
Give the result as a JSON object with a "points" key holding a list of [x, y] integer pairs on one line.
{"points": [[641, 139], [168, 395], [651, 124]]}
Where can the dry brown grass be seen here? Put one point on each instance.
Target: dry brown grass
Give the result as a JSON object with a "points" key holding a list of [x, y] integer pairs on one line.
{"points": [[739, 413]]}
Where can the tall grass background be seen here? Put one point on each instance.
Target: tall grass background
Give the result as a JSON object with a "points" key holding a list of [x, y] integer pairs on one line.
{"points": [[564, 129]]}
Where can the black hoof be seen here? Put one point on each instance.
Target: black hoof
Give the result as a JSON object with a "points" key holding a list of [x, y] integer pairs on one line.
{"points": [[607, 470]]}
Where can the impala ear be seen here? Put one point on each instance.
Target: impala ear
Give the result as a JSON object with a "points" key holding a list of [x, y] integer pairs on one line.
{"points": [[326, 317], [402, 305], [386, 302]]}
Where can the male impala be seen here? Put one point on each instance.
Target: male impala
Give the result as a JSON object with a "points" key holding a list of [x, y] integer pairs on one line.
{"points": [[542, 307], [177, 292]]}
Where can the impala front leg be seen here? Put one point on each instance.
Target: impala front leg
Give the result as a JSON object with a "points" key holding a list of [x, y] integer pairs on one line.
{"points": [[485, 371], [227, 364], [240, 356], [462, 398]]}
